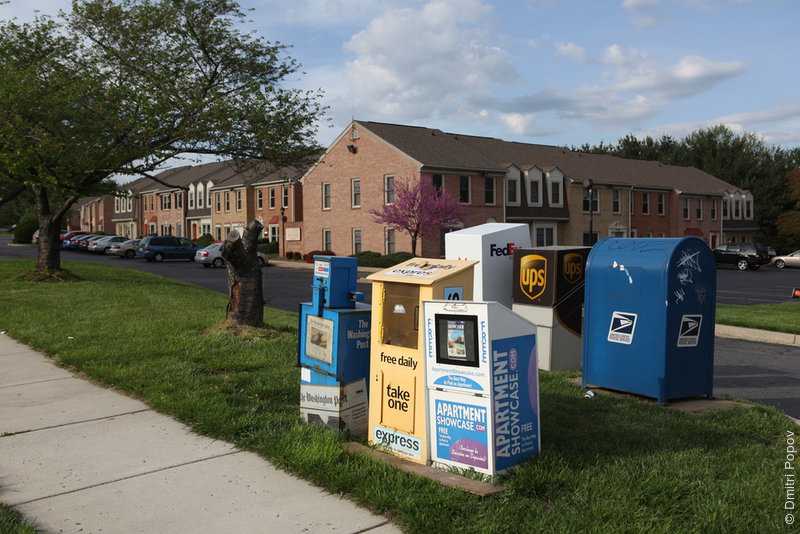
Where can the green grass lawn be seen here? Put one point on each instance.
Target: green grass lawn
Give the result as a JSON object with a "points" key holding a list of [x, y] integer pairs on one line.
{"points": [[13, 523], [784, 317], [607, 465]]}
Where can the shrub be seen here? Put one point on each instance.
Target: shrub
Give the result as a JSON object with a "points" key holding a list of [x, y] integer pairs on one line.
{"points": [[393, 259], [309, 256], [204, 240], [267, 247], [26, 226], [368, 258]]}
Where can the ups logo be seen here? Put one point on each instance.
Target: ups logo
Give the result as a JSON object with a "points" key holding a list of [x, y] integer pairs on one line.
{"points": [[532, 275], [573, 267]]}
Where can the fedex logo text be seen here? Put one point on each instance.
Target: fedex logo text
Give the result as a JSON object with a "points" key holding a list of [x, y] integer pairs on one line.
{"points": [[508, 250]]}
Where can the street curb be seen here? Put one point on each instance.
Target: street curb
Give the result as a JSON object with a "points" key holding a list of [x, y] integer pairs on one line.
{"points": [[752, 334]]}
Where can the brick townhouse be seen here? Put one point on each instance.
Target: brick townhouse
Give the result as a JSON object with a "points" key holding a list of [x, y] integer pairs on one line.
{"points": [[212, 198], [96, 214], [551, 189], [359, 171], [554, 190]]}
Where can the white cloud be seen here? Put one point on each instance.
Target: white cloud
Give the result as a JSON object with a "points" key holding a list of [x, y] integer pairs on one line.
{"points": [[415, 64], [691, 75], [640, 4], [572, 51], [779, 124], [517, 123]]}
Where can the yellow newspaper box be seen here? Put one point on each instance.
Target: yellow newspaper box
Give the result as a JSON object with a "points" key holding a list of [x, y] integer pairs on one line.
{"points": [[397, 394]]}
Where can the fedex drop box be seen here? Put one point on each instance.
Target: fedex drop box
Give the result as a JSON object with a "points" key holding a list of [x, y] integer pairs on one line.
{"points": [[483, 386], [493, 245]]}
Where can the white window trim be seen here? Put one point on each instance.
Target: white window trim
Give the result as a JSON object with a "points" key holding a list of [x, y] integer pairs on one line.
{"points": [[353, 239], [329, 233], [191, 196], [616, 192], [386, 179], [698, 209], [513, 175], [552, 226], [555, 183], [469, 189], [353, 182], [493, 180], [533, 178], [646, 203], [386, 232], [661, 204], [687, 209], [596, 194], [329, 197]]}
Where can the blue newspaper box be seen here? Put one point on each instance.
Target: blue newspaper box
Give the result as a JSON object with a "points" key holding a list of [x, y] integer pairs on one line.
{"points": [[649, 316], [333, 347]]}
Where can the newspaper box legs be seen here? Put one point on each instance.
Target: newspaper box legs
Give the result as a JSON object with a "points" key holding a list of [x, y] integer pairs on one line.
{"points": [[333, 348], [483, 387]]}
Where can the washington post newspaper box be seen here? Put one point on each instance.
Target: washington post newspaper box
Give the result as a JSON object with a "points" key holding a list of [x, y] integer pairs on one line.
{"points": [[333, 348], [650, 316], [483, 385], [548, 291], [493, 245], [397, 402]]}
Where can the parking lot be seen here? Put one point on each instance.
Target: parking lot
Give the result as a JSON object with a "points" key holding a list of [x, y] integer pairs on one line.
{"points": [[285, 287], [760, 372]]}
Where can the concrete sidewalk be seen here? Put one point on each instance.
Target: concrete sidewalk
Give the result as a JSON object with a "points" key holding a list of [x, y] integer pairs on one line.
{"points": [[75, 457]]}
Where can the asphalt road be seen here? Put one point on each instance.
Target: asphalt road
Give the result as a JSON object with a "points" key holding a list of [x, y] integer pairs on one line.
{"points": [[767, 285], [765, 373]]}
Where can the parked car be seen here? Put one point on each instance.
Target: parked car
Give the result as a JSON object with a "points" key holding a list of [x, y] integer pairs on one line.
{"points": [[75, 244], [159, 248], [125, 249], [743, 255], [83, 244], [789, 260], [211, 256], [104, 243], [66, 237]]}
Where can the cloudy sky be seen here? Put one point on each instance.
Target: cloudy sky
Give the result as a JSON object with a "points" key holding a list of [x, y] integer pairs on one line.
{"points": [[560, 72]]}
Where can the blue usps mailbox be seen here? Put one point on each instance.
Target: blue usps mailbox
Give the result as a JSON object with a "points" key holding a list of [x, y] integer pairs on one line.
{"points": [[649, 317]]}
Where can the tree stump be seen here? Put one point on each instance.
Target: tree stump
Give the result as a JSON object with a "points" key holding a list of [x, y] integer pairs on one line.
{"points": [[245, 291]]}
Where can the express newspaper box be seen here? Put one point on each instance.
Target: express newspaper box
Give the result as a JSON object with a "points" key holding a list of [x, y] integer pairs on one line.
{"points": [[397, 394]]}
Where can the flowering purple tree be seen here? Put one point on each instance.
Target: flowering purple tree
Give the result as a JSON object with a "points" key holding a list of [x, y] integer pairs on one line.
{"points": [[419, 208]]}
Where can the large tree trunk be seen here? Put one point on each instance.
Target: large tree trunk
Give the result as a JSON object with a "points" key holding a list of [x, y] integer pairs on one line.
{"points": [[49, 246], [49, 258], [245, 292]]}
